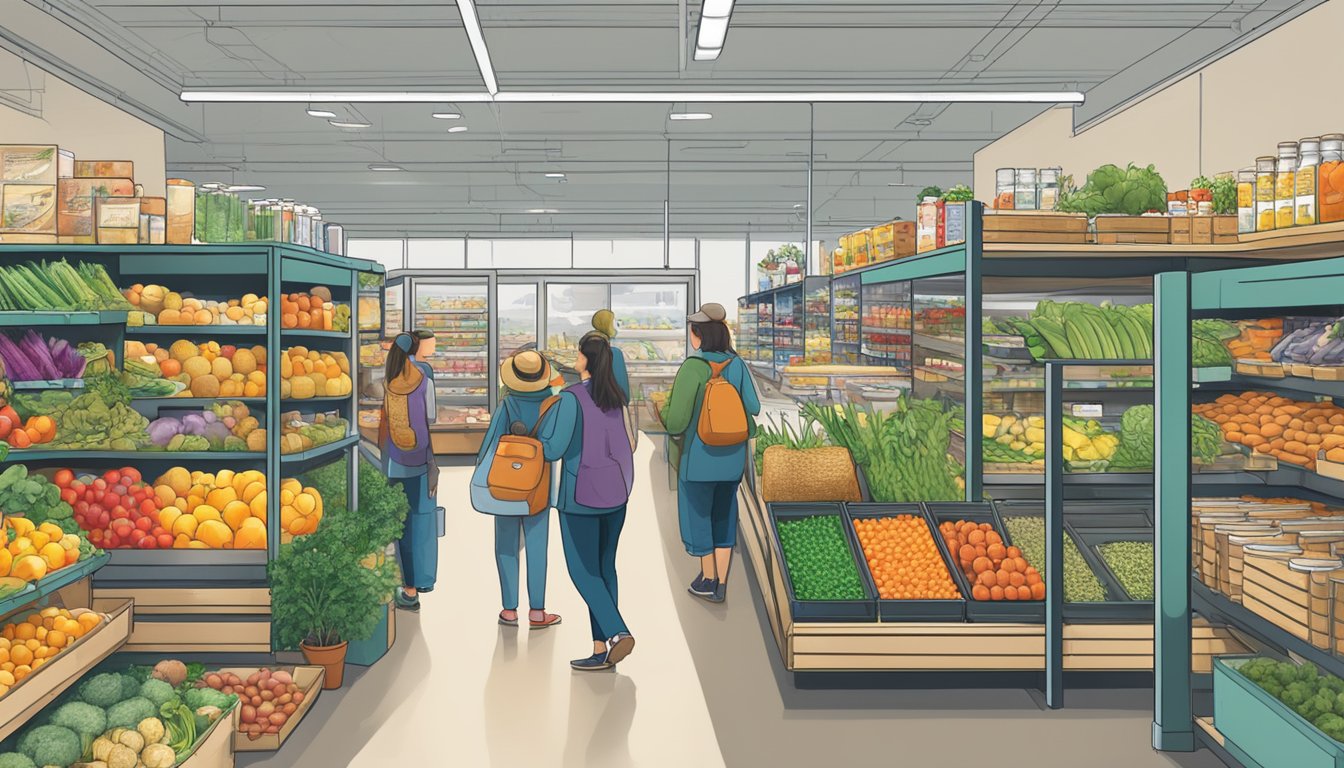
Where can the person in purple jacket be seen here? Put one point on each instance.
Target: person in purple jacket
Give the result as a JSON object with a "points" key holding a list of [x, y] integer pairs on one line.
{"points": [[408, 460]]}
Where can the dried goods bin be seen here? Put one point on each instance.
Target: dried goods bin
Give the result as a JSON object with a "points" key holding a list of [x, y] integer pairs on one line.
{"points": [[906, 610], [863, 610], [1120, 603], [1075, 611], [1030, 611], [1261, 730]]}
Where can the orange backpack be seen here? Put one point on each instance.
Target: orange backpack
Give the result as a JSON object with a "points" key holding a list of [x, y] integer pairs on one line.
{"points": [[519, 470], [723, 417]]}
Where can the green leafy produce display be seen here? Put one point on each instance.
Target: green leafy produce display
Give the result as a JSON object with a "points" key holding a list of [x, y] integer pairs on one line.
{"points": [[959, 194], [1132, 191], [904, 452], [1137, 440], [1206, 339], [370, 281], [1225, 195], [1302, 688], [934, 192], [34, 497], [1132, 564], [1081, 585], [784, 434], [87, 423], [821, 566], [56, 285]]}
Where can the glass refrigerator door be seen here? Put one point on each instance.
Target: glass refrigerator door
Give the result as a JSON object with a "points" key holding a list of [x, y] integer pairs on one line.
{"points": [[459, 316], [845, 320], [746, 341], [788, 327], [939, 314], [517, 317], [817, 320], [886, 325], [651, 319], [765, 335], [569, 315]]}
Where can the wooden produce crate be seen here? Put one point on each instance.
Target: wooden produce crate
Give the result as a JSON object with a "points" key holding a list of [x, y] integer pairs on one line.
{"points": [[1328, 372], [1034, 227], [195, 619], [1236, 558], [215, 750], [1263, 368], [1260, 730], [1133, 230], [1277, 588], [309, 680]]}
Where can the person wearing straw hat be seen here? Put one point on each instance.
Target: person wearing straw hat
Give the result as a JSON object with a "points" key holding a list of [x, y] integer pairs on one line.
{"points": [[527, 380], [604, 322]]}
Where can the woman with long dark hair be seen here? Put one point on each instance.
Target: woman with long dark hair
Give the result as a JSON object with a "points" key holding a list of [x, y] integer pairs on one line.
{"points": [[585, 430], [408, 460], [708, 475]]}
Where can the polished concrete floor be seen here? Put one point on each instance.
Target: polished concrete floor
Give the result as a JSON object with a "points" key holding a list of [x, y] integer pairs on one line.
{"points": [[704, 687]]}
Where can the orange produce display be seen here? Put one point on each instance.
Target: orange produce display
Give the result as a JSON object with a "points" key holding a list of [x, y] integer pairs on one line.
{"points": [[904, 559], [995, 570], [28, 644], [1257, 338], [1292, 431]]}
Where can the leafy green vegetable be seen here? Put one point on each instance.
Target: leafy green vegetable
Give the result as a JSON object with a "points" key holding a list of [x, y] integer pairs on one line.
{"points": [[1111, 189], [1225, 195], [89, 423], [1202, 182], [934, 192], [959, 194], [32, 496]]}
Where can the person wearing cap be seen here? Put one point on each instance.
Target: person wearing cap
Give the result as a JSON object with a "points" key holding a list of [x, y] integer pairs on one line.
{"points": [[604, 322], [527, 380], [408, 460], [707, 476]]}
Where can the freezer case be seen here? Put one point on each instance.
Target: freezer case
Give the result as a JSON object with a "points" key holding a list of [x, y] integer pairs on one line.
{"points": [[458, 314]]}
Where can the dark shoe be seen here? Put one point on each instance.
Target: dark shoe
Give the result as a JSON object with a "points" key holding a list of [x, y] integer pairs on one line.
{"points": [[619, 648], [704, 588], [720, 592], [595, 663], [425, 590], [407, 603]]}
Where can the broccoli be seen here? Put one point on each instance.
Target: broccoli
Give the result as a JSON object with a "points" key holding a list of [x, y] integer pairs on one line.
{"points": [[130, 685], [1285, 673], [102, 690], [1296, 694], [1332, 726], [1309, 710], [128, 713], [157, 691], [84, 719], [1307, 672], [1273, 689], [16, 760], [208, 697], [51, 745]]}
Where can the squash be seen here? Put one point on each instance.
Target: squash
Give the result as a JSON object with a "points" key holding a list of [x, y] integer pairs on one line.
{"points": [[222, 368], [197, 366], [205, 386], [244, 361], [172, 300], [256, 442], [29, 568], [302, 388], [181, 350]]}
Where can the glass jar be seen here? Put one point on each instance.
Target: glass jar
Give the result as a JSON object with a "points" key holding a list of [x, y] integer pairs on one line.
{"points": [[181, 223], [1005, 181], [287, 220], [1330, 184], [1024, 194], [1309, 157], [1264, 194], [1285, 186], [1047, 196], [1245, 200]]}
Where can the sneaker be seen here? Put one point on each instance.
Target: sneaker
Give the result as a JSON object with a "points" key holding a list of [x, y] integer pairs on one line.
{"points": [[704, 588], [595, 663], [619, 648], [407, 603], [720, 592], [546, 620], [507, 622]]}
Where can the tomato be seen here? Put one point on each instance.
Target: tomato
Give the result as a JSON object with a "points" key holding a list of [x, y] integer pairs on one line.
{"points": [[69, 496], [147, 542], [111, 541], [165, 540], [148, 507], [138, 536], [111, 477], [130, 475], [6, 426], [82, 507], [104, 519], [19, 439], [120, 513], [119, 489], [77, 486], [96, 535], [63, 477], [145, 524], [100, 484]]}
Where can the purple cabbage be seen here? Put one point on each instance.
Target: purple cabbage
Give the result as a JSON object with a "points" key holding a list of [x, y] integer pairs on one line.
{"points": [[193, 424], [161, 431], [32, 359]]}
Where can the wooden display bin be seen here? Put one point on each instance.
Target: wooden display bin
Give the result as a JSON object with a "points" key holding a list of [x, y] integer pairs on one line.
{"points": [[1262, 368], [1280, 594], [1133, 230], [195, 619], [309, 680], [216, 749], [1327, 372], [1034, 227]]}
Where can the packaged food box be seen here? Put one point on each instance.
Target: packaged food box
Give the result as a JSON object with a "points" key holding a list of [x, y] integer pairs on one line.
{"points": [[28, 164], [76, 199], [118, 220], [28, 209], [106, 169]]}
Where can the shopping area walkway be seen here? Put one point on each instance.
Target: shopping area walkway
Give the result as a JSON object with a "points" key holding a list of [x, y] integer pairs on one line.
{"points": [[704, 687]]}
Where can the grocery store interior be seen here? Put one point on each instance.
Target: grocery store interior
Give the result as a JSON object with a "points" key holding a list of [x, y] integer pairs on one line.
{"points": [[1029, 444]]}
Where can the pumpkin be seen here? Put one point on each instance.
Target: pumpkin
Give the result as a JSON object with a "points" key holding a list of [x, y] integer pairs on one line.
{"points": [[205, 386], [182, 349]]}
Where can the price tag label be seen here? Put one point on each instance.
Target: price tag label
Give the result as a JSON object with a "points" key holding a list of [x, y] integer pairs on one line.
{"points": [[1087, 410]]}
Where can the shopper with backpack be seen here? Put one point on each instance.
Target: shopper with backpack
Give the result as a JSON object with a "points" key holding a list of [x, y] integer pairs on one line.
{"points": [[709, 416], [586, 431], [511, 447]]}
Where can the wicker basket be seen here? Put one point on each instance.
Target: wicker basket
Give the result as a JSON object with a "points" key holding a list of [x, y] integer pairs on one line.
{"points": [[812, 474]]}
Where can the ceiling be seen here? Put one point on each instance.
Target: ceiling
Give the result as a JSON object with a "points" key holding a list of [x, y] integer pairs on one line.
{"points": [[744, 170]]}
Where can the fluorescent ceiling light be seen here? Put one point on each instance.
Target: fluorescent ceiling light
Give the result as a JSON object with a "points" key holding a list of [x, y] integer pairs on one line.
{"points": [[245, 188], [542, 210], [320, 113], [458, 129], [689, 116], [712, 32], [210, 185], [720, 9], [640, 97], [555, 175], [348, 124], [467, 9], [707, 54], [385, 167], [446, 116]]}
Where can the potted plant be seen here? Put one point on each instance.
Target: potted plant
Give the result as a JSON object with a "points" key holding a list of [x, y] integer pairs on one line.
{"points": [[790, 258]]}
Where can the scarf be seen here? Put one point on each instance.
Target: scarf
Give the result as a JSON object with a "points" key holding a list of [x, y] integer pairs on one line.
{"points": [[396, 411]]}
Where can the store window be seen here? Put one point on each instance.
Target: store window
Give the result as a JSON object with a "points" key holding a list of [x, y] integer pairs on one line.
{"points": [[390, 253]]}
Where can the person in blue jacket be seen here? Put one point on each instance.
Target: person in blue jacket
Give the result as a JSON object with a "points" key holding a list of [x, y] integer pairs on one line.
{"points": [[590, 533], [527, 378], [604, 322], [708, 476]]}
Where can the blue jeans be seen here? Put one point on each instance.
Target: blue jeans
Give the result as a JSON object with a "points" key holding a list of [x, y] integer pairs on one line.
{"points": [[418, 548], [590, 554], [511, 533], [708, 515]]}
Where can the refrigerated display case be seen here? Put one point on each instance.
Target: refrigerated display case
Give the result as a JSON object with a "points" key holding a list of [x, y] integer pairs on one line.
{"points": [[748, 342], [517, 306], [373, 346], [845, 313], [569, 315], [817, 320], [788, 327], [457, 311]]}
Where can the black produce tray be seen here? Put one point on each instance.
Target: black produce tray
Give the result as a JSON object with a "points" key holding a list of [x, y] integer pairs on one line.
{"points": [[1108, 514], [1090, 540], [1002, 611], [906, 610], [864, 610]]}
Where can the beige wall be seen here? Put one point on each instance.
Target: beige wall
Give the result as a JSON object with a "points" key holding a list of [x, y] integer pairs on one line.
{"points": [[74, 120], [1277, 88]]}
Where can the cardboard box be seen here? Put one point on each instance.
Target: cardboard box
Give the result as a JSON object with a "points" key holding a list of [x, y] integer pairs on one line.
{"points": [[1133, 230], [28, 209], [77, 199], [215, 750], [118, 220], [309, 680], [106, 169], [1034, 227], [28, 164]]}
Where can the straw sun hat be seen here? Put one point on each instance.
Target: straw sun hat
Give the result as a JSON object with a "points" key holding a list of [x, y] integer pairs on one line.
{"points": [[526, 371]]}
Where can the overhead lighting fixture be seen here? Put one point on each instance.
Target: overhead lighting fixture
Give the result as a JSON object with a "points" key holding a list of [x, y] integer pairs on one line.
{"points": [[690, 116], [717, 8], [472, 23], [542, 210], [446, 116], [348, 124], [707, 54], [385, 167], [458, 129], [714, 17], [210, 185], [320, 112], [638, 97], [555, 175], [245, 188]]}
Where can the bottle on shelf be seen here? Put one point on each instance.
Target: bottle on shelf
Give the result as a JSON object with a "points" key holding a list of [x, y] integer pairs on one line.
{"points": [[1005, 184], [1048, 185], [1330, 174], [1309, 151], [1264, 194], [1246, 200], [1285, 185]]}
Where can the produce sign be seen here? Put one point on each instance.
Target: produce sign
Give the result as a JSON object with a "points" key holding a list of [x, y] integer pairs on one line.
{"points": [[228, 426], [1081, 585], [904, 559], [904, 452], [208, 369], [269, 698], [305, 374], [30, 642], [821, 566], [1317, 698], [37, 550], [1289, 430], [29, 358], [157, 305], [1132, 564], [56, 285], [996, 571]]}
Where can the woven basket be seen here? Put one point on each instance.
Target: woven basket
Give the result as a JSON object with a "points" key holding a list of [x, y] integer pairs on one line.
{"points": [[813, 474]]}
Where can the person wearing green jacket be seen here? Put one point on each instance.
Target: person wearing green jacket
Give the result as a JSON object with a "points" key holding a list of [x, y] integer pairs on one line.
{"points": [[708, 476]]}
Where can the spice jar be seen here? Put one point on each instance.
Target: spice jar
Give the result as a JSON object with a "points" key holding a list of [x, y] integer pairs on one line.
{"points": [[1330, 184], [1264, 194], [1024, 193], [1005, 181], [1285, 186], [1309, 157], [1246, 200]]}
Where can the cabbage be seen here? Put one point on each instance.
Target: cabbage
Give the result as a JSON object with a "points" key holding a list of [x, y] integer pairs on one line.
{"points": [[164, 429], [1111, 189]]}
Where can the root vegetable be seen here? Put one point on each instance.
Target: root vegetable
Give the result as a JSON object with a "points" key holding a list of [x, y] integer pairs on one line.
{"points": [[170, 671], [158, 756], [249, 714]]}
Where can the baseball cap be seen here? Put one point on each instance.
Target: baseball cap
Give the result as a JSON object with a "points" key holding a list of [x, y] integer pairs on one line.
{"points": [[709, 313]]}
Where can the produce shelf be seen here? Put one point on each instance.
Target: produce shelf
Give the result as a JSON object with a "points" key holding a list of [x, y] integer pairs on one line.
{"points": [[195, 402], [132, 457], [39, 319], [183, 567], [58, 580], [861, 609], [292, 402], [308, 333], [319, 451], [907, 610], [939, 344], [1291, 384], [196, 330], [48, 384], [1213, 605]]}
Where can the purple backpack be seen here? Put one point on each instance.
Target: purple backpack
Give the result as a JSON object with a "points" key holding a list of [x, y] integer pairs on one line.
{"points": [[606, 465]]}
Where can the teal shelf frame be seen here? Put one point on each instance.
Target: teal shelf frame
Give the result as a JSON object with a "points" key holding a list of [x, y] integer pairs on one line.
{"points": [[320, 451], [188, 331], [39, 589], [59, 318], [40, 456]]}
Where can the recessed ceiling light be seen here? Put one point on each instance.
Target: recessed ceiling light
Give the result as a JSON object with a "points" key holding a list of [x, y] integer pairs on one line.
{"points": [[689, 116], [446, 116], [458, 129], [717, 8], [713, 31], [385, 167], [321, 113], [542, 210], [348, 124], [245, 188], [555, 175], [707, 54]]}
